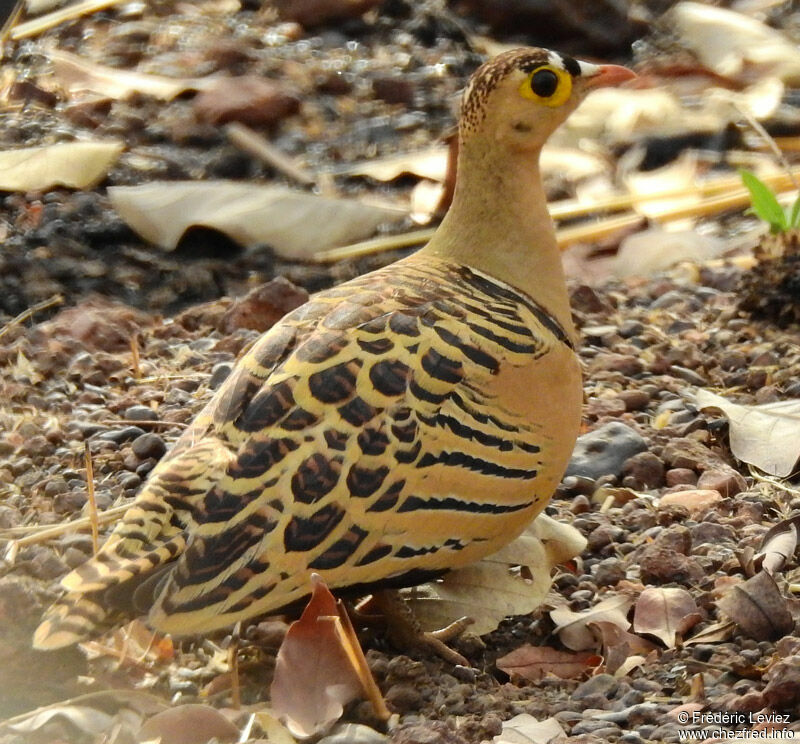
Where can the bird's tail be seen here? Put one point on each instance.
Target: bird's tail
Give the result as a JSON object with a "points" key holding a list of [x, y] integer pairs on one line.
{"points": [[150, 536]]}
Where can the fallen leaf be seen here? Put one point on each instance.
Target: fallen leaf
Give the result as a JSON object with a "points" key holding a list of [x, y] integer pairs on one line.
{"points": [[631, 663], [665, 613], [192, 723], [618, 644], [488, 591], [76, 165], [777, 546], [430, 164], [766, 435], [249, 99], [725, 41], [715, 633], [758, 608], [573, 627], [652, 250], [525, 729], [297, 225], [535, 662], [274, 730], [76, 74], [318, 669]]}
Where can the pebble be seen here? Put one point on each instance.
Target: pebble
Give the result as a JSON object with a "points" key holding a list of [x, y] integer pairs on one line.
{"points": [[726, 481], [645, 469], [659, 565], [680, 476], [609, 572], [140, 413], [118, 436], [603, 684], [219, 374], [695, 500], [403, 697], [149, 445], [604, 450], [634, 400]]}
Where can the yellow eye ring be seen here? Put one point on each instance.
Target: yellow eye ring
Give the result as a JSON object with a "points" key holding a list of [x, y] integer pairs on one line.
{"points": [[547, 84]]}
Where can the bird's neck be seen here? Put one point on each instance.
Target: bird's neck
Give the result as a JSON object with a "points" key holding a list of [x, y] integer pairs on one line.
{"points": [[498, 223]]}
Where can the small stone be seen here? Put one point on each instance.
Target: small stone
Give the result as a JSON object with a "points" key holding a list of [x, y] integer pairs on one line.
{"points": [[694, 500], [70, 502], [580, 504], [310, 13], [622, 363], [248, 99], [264, 306], [646, 469], [676, 538], [403, 697], [394, 90], [726, 481], [604, 450], [659, 565], [712, 533], [140, 413], [680, 477], [604, 684], [219, 374], [55, 486], [149, 445], [604, 535], [634, 400], [609, 572], [353, 733], [118, 436]]}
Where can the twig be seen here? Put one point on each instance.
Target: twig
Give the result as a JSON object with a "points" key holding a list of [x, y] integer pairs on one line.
{"points": [[45, 22], [765, 135], [32, 310], [251, 142], [135, 366], [87, 456]]}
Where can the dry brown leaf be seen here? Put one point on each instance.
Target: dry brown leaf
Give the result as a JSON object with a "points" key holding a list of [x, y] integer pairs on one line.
{"points": [[777, 547], [766, 435], [618, 644], [758, 608], [76, 74], [715, 633], [77, 165], [525, 729], [534, 662], [488, 591], [295, 224], [665, 613], [573, 627], [430, 164], [317, 669], [188, 724]]}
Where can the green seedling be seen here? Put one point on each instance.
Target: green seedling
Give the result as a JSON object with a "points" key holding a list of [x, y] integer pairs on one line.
{"points": [[766, 206]]}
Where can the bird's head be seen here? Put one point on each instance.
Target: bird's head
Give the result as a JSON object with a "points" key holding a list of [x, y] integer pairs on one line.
{"points": [[519, 97]]}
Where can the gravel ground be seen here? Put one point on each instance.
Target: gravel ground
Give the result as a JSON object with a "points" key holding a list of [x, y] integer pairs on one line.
{"points": [[69, 380]]}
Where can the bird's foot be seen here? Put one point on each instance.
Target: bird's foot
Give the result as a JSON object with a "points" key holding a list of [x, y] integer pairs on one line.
{"points": [[404, 630]]}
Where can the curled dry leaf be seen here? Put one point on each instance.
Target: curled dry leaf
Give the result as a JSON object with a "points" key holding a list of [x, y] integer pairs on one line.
{"points": [[777, 547], [715, 633], [297, 225], [489, 591], [76, 74], [665, 613], [534, 662], [320, 668], [573, 627], [766, 435], [77, 165], [758, 608], [525, 729], [618, 644], [188, 724]]}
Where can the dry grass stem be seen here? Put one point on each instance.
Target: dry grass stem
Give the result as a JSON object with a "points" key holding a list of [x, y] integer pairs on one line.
{"points": [[32, 310], [253, 143], [39, 25], [135, 359], [93, 521]]}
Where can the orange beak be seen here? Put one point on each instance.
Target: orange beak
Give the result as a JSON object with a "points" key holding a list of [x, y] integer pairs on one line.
{"points": [[610, 75]]}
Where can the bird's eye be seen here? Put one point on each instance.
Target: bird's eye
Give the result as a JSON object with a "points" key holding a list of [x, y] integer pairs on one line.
{"points": [[544, 83], [549, 85]]}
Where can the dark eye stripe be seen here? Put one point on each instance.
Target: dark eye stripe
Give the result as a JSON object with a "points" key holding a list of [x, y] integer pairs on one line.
{"points": [[544, 83], [570, 65]]}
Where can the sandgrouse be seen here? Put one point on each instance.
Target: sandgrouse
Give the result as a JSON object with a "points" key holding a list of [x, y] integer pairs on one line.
{"points": [[407, 422]]}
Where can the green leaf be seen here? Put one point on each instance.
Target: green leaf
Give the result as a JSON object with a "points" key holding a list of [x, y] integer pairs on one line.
{"points": [[794, 218], [765, 205]]}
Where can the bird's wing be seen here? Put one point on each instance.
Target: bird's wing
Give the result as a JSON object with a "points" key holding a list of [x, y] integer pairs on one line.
{"points": [[368, 445]]}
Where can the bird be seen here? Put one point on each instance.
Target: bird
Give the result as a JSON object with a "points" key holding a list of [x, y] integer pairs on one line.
{"points": [[405, 423]]}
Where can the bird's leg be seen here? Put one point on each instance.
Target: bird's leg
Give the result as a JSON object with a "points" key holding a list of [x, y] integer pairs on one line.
{"points": [[404, 629]]}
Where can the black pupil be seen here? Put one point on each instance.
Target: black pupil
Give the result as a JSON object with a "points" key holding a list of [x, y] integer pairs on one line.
{"points": [[544, 83]]}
